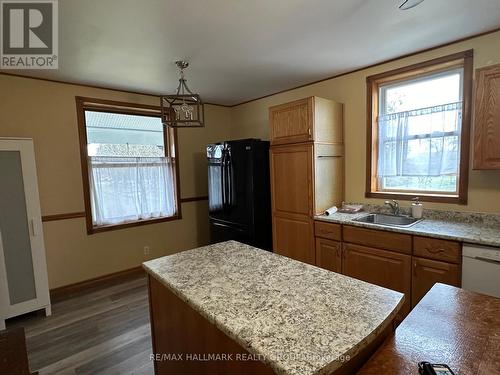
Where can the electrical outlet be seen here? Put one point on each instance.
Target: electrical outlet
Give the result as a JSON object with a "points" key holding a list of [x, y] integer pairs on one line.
{"points": [[146, 250]]}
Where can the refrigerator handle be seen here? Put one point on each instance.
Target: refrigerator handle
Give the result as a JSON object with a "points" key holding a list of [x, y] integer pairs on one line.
{"points": [[229, 178], [223, 186]]}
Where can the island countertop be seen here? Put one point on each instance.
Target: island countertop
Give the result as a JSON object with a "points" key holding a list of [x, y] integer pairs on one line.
{"points": [[298, 318]]}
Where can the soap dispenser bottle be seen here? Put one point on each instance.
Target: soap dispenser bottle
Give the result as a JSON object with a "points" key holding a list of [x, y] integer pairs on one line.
{"points": [[417, 209]]}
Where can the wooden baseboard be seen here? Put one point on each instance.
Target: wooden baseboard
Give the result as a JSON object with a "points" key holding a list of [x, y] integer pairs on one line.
{"points": [[101, 281]]}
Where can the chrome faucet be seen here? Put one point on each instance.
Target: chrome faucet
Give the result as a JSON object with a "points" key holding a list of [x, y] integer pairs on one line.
{"points": [[394, 206]]}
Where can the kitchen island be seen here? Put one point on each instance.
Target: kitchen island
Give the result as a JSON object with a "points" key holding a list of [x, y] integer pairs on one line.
{"points": [[230, 308]]}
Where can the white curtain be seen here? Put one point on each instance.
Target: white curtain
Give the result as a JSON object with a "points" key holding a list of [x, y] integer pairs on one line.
{"points": [[127, 189], [422, 142]]}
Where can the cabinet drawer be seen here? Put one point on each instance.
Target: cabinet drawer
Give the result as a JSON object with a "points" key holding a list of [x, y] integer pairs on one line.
{"points": [[328, 230], [448, 251], [378, 238]]}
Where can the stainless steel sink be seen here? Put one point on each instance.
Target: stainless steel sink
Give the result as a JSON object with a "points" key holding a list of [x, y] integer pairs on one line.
{"points": [[388, 220]]}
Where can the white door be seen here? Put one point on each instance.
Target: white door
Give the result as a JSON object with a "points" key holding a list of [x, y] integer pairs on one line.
{"points": [[23, 268]]}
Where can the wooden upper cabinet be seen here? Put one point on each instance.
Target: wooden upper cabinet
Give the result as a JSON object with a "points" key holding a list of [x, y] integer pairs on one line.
{"points": [[291, 179], [291, 122], [310, 119], [487, 119]]}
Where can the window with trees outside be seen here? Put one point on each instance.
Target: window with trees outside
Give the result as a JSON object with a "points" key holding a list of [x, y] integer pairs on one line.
{"points": [[418, 130], [129, 165]]}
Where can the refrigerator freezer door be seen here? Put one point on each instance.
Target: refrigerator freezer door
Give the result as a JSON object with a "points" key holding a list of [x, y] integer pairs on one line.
{"points": [[220, 232]]}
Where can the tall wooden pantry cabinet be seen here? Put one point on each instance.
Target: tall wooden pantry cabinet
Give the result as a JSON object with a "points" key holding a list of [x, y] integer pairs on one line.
{"points": [[307, 171], [23, 271]]}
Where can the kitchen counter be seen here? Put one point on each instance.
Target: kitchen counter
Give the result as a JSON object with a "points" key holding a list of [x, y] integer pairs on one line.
{"points": [[469, 232], [299, 319], [449, 325]]}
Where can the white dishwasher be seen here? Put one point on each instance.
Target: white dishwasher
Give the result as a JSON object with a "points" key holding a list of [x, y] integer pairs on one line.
{"points": [[481, 269]]}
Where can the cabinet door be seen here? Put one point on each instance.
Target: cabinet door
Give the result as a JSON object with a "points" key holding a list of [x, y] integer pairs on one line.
{"points": [[23, 269], [428, 272], [487, 119], [291, 122], [385, 268], [294, 238], [329, 254], [291, 179]]}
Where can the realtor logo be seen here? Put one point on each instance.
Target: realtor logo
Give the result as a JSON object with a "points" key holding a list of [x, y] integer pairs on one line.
{"points": [[29, 37]]}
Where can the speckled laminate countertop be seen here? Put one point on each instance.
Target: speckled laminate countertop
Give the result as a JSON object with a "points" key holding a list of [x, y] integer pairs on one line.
{"points": [[297, 317], [469, 232]]}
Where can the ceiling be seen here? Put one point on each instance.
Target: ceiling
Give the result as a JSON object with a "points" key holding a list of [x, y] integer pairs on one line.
{"points": [[240, 50]]}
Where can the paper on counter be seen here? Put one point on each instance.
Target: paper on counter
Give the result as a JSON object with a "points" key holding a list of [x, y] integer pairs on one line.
{"points": [[331, 210]]}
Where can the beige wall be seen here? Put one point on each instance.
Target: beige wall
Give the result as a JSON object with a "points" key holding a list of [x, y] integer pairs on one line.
{"points": [[46, 112], [251, 120]]}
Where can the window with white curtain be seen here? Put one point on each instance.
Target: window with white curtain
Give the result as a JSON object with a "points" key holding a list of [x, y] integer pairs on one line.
{"points": [[130, 165], [419, 134], [419, 130]]}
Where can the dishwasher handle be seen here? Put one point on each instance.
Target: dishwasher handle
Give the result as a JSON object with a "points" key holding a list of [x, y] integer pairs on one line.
{"points": [[482, 253], [487, 260]]}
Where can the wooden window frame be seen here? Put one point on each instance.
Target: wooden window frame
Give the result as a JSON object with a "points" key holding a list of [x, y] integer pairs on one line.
{"points": [[170, 140], [462, 59]]}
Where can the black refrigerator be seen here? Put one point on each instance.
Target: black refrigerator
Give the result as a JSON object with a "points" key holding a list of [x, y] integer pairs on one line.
{"points": [[239, 195]]}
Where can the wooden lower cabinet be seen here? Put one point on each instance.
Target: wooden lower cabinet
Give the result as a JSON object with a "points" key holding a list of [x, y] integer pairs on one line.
{"points": [[178, 330], [427, 272], [329, 254], [381, 267], [402, 262], [294, 238]]}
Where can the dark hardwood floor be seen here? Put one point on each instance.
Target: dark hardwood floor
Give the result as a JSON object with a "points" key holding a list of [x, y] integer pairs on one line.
{"points": [[102, 330]]}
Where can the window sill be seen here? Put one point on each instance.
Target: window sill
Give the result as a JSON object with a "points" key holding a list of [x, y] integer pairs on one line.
{"points": [[106, 228], [454, 199]]}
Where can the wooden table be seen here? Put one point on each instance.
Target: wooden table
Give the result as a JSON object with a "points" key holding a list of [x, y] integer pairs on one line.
{"points": [[449, 325]]}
